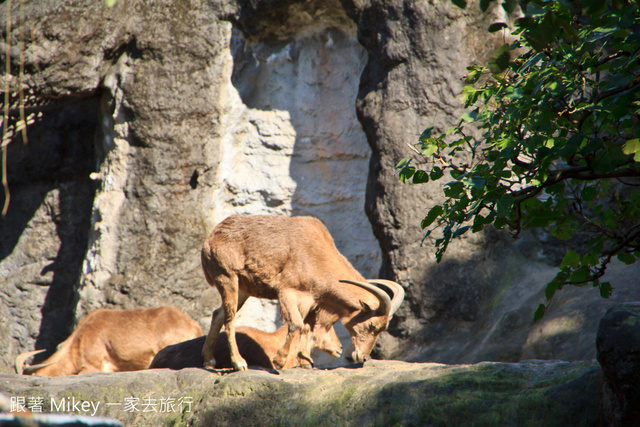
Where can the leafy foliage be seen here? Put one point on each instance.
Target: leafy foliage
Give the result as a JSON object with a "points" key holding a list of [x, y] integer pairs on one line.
{"points": [[550, 139]]}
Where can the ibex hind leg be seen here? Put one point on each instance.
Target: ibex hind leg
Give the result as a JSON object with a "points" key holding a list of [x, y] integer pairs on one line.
{"points": [[217, 319], [228, 291]]}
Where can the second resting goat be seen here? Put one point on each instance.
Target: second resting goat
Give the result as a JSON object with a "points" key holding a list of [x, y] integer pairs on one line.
{"points": [[257, 347]]}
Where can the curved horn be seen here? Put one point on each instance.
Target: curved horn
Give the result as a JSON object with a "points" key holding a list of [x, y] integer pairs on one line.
{"points": [[385, 301], [32, 369], [396, 289], [22, 357]]}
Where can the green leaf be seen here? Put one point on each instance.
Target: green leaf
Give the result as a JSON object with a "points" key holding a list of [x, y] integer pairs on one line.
{"points": [[581, 275], [569, 31], [420, 177], [572, 145], [588, 193], [469, 117], [541, 35], [436, 173], [406, 173], [475, 182], [608, 159], [484, 4], [600, 33], [497, 26], [509, 5], [605, 290], [402, 163], [571, 259], [539, 314], [593, 7], [473, 76], [626, 257], [504, 206], [499, 60], [477, 225], [460, 3], [589, 259], [433, 213], [429, 149], [460, 231], [426, 134], [632, 147], [499, 223], [454, 189], [110, 3], [556, 283], [524, 22], [551, 289]]}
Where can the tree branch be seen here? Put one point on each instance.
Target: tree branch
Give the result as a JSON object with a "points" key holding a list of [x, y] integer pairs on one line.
{"points": [[634, 84]]}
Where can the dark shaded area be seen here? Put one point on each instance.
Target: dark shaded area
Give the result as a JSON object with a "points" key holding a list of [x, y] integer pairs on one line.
{"points": [[283, 18], [241, 411], [487, 396], [57, 160], [462, 292], [188, 354], [256, 17], [193, 181], [618, 344]]}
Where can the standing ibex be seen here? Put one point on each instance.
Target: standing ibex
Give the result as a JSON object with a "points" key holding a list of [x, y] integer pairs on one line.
{"points": [[295, 261], [110, 340]]}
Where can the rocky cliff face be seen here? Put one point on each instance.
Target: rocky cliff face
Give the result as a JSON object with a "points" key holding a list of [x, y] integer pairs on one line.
{"points": [[154, 121]]}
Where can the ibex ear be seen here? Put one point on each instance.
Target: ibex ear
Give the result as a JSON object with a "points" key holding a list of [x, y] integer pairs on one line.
{"points": [[365, 306]]}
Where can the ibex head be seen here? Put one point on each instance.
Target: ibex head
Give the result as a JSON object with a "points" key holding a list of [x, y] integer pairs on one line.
{"points": [[369, 322]]}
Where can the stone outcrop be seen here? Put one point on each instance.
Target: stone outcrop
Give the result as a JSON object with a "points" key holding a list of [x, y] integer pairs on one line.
{"points": [[380, 393], [155, 120], [618, 345]]}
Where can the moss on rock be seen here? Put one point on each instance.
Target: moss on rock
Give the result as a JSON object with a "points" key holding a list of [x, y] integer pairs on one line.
{"points": [[380, 393]]}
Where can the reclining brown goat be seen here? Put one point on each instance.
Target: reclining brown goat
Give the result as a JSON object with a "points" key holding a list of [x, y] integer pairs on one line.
{"points": [[257, 347], [295, 261], [110, 340]]}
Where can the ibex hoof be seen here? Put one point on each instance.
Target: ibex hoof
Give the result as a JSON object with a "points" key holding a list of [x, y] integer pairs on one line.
{"points": [[239, 365], [306, 361], [278, 363]]}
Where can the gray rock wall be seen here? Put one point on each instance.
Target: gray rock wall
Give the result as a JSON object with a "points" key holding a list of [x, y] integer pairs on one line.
{"points": [[152, 76], [194, 120]]}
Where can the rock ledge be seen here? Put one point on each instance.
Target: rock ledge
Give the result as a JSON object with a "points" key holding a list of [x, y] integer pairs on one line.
{"points": [[378, 393]]}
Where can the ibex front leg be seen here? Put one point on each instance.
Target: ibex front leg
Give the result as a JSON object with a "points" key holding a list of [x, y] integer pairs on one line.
{"points": [[294, 309]]}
